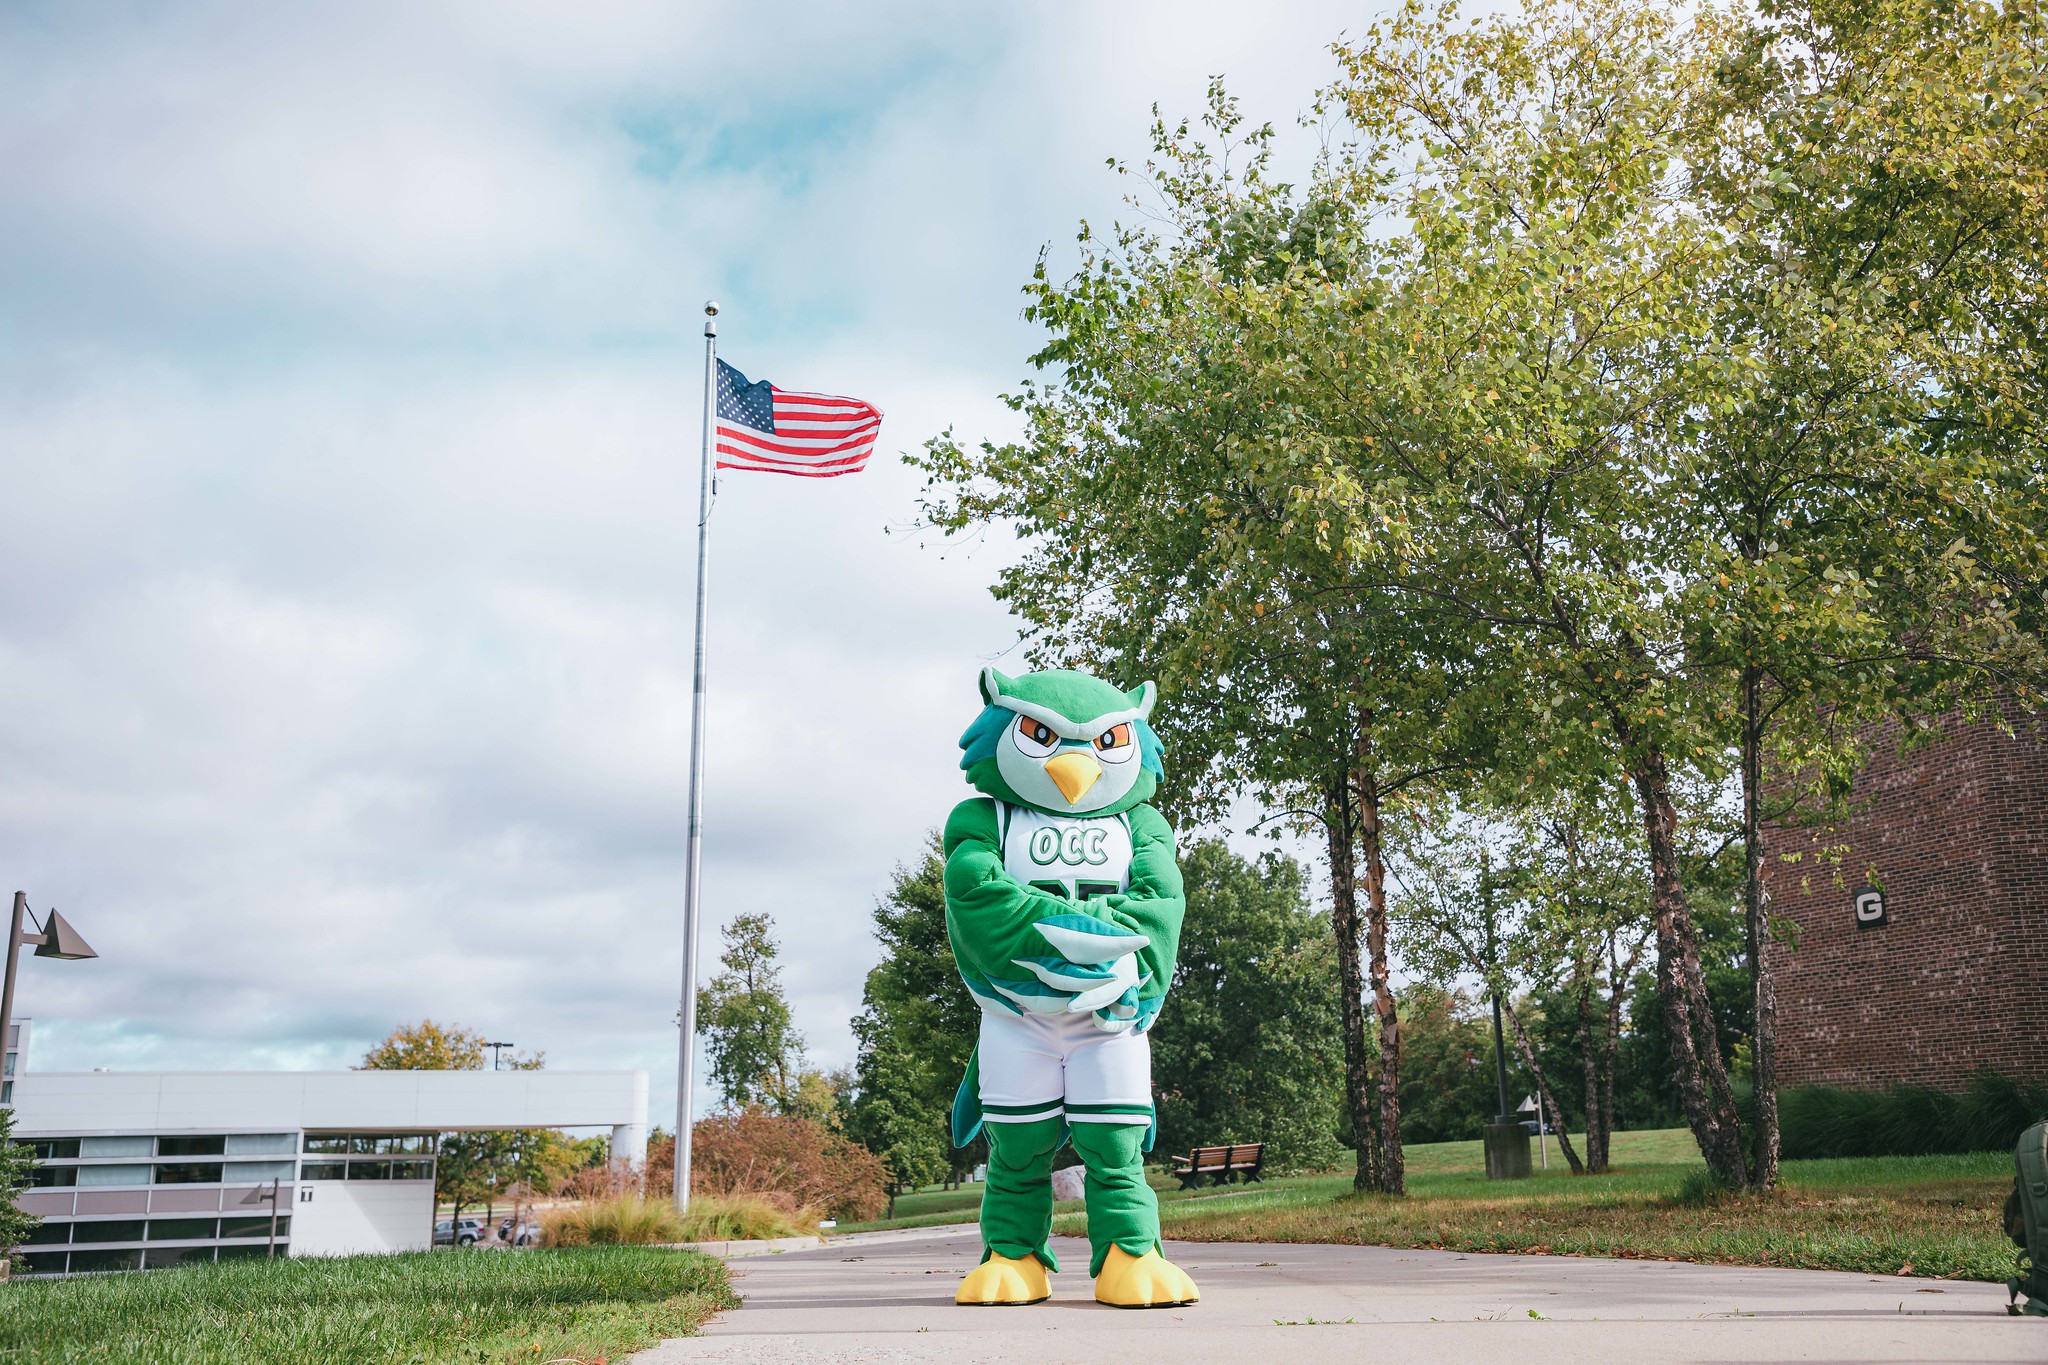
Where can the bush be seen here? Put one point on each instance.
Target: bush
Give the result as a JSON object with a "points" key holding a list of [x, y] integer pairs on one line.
{"points": [[1909, 1120], [747, 1217], [751, 1151], [620, 1220]]}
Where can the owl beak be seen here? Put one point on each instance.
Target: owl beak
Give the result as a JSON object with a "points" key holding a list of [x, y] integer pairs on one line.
{"points": [[1073, 774]]}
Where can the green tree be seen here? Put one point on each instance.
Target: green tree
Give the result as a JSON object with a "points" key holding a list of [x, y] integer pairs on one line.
{"points": [[1447, 1082], [754, 1048], [17, 1168], [1249, 1047], [916, 1029]]}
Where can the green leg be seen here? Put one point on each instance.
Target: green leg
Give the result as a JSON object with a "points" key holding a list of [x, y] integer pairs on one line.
{"points": [[1122, 1210], [1016, 1208]]}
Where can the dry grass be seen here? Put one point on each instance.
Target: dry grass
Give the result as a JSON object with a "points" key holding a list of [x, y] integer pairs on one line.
{"points": [[632, 1220]]}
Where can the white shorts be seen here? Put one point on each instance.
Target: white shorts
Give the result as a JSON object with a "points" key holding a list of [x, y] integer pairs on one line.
{"points": [[1041, 1066]]}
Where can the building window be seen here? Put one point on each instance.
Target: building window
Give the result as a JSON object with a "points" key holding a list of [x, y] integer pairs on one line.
{"points": [[44, 1177], [112, 1175], [259, 1144], [327, 1144], [256, 1227], [129, 1259], [412, 1170], [190, 1146], [48, 1234], [323, 1170], [180, 1229], [141, 1145], [51, 1149], [188, 1173], [42, 1263], [108, 1230], [256, 1172], [369, 1170]]}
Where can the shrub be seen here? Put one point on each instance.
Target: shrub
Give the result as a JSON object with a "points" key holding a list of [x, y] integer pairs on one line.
{"points": [[744, 1217], [619, 1220], [1909, 1120], [751, 1151]]}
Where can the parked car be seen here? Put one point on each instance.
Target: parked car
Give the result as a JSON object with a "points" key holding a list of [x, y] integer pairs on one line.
{"points": [[447, 1234], [525, 1234]]}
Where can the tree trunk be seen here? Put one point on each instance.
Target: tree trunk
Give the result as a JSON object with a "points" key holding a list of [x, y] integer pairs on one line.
{"points": [[1702, 1080], [1764, 986], [1546, 1101], [1393, 1168], [1589, 1057], [1351, 987]]}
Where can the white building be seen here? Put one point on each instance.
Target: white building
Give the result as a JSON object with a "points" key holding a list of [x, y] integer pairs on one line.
{"points": [[148, 1169]]}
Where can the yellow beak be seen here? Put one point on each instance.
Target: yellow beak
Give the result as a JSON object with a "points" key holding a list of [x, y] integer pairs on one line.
{"points": [[1073, 774]]}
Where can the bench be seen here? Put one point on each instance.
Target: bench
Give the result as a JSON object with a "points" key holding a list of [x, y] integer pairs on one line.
{"points": [[1237, 1161]]}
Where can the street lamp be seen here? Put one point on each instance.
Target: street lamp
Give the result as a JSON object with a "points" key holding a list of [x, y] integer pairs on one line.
{"points": [[54, 937], [497, 1050]]}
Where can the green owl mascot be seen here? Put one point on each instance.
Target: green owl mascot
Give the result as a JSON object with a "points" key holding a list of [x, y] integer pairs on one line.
{"points": [[1063, 904]]}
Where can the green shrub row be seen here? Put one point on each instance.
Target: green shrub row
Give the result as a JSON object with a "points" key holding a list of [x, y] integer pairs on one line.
{"points": [[1909, 1120]]}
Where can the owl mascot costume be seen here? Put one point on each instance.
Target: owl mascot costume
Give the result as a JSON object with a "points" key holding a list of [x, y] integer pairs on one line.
{"points": [[1063, 905]]}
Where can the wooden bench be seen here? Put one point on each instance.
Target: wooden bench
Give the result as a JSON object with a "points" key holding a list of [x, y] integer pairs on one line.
{"points": [[1237, 1161]]}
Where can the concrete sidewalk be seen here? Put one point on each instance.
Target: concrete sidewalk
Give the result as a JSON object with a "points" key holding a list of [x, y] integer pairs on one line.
{"points": [[888, 1297]]}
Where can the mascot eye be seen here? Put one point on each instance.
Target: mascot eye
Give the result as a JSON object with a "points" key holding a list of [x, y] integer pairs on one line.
{"points": [[1114, 745], [1036, 738]]}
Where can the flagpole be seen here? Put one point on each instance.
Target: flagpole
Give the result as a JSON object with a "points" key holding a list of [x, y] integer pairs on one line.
{"points": [[693, 866]]}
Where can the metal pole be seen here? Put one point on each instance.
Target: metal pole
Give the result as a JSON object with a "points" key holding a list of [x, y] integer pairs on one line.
{"points": [[693, 865], [7, 991], [1500, 1051], [271, 1254]]}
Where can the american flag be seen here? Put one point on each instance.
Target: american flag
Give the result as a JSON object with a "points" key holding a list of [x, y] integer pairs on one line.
{"points": [[814, 435]]}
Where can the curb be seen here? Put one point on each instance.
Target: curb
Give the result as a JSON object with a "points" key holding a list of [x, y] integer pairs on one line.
{"points": [[766, 1246]]}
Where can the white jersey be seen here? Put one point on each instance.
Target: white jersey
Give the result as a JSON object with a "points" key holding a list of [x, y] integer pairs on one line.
{"points": [[1075, 856]]}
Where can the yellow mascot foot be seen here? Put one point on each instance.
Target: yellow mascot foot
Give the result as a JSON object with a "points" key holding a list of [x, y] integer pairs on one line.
{"points": [[1148, 1281], [1002, 1281]]}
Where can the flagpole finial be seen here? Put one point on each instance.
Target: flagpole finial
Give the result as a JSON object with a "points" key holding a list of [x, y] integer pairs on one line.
{"points": [[711, 308], [710, 317]]}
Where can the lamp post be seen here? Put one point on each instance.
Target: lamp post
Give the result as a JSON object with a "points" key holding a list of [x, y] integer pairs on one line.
{"points": [[497, 1051], [54, 937]]}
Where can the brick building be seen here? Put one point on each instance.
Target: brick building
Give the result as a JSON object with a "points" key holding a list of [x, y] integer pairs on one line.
{"points": [[1923, 954]]}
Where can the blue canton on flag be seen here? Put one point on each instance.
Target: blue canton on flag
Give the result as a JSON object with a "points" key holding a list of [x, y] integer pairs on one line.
{"points": [[779, 431]]}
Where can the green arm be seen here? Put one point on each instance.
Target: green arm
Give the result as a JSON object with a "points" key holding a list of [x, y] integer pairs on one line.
{"points": [[1156, 901], [991, 917]]}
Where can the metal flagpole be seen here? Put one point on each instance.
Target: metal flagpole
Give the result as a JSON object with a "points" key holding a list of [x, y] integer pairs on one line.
{"points": [[693, 868]]}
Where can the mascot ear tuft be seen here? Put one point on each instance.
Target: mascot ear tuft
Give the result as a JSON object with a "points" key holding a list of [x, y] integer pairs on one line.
{"points": [[1142, 696], [992, 685]]}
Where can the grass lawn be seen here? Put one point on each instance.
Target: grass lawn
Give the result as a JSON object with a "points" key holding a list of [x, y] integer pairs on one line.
{"points": [[420, 1308], [1939, 1214]]}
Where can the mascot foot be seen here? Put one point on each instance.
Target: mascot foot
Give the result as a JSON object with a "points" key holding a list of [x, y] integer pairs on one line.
{"points": [[1002, 1281], [1148, 1281]]}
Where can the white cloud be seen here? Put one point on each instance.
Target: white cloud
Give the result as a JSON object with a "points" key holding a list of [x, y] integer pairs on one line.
{"points": [[348, 443]]}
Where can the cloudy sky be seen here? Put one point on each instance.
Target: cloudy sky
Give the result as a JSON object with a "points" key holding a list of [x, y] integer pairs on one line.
{"points": [[350, 367]]}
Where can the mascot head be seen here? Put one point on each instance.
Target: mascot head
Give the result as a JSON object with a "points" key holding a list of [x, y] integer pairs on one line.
{"points": [[1063, 742]]}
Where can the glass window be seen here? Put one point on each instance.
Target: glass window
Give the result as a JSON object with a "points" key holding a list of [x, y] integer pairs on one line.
{"points": [[191, 1146], [323, 1170], [179, 1229], [259, 1172], [48, 1234], [41, 1263], [112, 1175], [412, 1170], [139, 1144], [42, 1177], [82, 1261], [326, 1143], [51, 1149], [369, 1170], [256, 1227], [248, 1250], [259, 1144], [162, 1258], [418, 1144], [108, 1230], [188, 1172]]}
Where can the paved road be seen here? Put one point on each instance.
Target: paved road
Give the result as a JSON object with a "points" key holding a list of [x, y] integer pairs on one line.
{"points": [[888, 1297]]}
